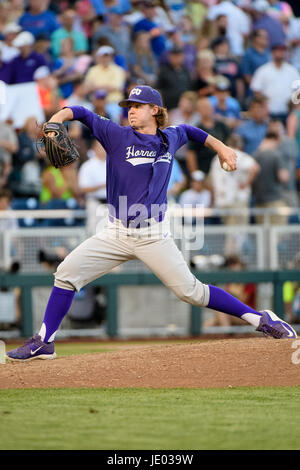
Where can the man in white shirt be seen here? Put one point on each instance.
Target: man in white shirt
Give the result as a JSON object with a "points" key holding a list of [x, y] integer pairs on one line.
{"points": [[232, 190], [275, 81], [238, 24], [196, 194], [92, 173], [10, 32], [92, 183]]}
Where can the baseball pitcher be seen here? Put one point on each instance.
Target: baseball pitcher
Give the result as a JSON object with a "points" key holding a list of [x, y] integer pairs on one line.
{"points": [[139, 164]]}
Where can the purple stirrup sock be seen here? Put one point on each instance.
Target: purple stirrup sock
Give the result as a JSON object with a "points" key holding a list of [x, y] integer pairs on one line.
{"points": [[58, 305], [224, 302]]}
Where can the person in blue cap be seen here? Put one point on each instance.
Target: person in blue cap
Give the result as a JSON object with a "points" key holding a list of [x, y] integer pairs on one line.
{"points": [[139, 163]]}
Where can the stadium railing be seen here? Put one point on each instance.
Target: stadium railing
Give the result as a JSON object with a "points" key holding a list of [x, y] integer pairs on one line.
{"points": [[113, 281]]}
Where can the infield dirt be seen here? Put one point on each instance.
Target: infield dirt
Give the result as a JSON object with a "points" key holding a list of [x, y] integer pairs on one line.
{"points": [[218, 363]]}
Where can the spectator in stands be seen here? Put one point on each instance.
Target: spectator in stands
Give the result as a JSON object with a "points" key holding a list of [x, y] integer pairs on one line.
{"points": [[273, 172], [175, 38], [197, 194], [42, 45], [64, 68], [185, 113], [293, 41], [16, 10], [109, 77], [27, 62], [221, 27], [210, 30], [162, 15], [92, 184], [79, 95], [86, 12], [275, 80], [187, 28], [253, 129], [293, 130], [173, 78], [92, 173], [291, 294], [10, 32], [204, 74], [117, 33], [5, 69], [255, 56], [282, 11], [103, 7], [4, 15], [39, 19], [99, 103], [8, 146], [8, 223], [199, 157], [289, 150], [226, 108], [148, 23], [58, 184], [47, 90], [177, 182], [232, 190], [238, 24], [68, 31], [28, 162], [197, 12], [176, 12], [262, 20], [142, 62], [226, 65], [118, 59]]}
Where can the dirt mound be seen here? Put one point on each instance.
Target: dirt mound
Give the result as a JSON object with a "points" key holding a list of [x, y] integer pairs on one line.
{"points": [[223, 363]]}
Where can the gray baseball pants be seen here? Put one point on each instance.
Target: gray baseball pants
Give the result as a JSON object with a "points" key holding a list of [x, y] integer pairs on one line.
{"points": [[116, 244]]}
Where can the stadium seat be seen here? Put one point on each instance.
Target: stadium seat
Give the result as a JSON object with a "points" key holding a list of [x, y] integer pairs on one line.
{"points": [[57, 204], [21, 204]]}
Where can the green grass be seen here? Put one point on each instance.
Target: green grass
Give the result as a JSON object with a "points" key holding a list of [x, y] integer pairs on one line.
{"points": [[235, 418]]}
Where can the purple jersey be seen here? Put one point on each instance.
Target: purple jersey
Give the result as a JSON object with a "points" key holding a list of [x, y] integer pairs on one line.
{"points": [[22, 69], [138, 165]]}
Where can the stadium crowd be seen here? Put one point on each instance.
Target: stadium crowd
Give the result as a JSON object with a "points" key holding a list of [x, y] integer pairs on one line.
{"points": [[229, 67]]}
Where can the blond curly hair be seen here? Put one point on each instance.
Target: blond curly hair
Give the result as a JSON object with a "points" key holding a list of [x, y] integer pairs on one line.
{"points": [[161, 117]]}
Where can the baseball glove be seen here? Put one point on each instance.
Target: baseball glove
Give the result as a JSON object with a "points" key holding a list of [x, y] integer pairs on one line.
{"points": [[59, 148]]}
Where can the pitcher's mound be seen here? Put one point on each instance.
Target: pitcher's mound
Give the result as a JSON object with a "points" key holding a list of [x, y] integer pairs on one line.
{"points": [[221, 363]]}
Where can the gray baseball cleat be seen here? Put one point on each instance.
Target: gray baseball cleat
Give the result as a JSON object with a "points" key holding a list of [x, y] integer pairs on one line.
{"points": [[271, 325]]}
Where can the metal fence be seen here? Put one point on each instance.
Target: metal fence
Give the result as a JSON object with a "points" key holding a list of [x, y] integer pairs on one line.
{"points": [[25, 245], [262, 246], [285, 247], [114, 281]]}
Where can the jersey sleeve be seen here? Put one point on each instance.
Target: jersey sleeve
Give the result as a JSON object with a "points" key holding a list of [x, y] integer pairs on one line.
{"points": [[194, 133], [104, 130], [181, 134]]}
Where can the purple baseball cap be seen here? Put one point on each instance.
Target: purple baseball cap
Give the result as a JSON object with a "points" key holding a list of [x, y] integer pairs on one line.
{"points": [[100, 94], [143, 94]]}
